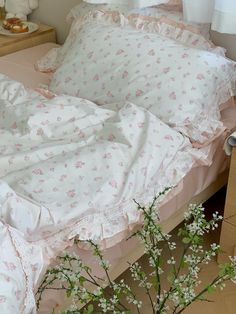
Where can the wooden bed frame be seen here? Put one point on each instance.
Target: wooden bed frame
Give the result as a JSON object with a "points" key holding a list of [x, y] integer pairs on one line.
{"points": [[228, 230]]}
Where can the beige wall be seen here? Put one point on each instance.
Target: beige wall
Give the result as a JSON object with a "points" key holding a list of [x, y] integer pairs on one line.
{"points": [[53, 12], [227, 41]]}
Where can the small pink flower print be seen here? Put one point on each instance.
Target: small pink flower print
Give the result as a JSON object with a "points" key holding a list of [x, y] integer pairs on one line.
{"points": [[79, 164], [111, 137], [2, 299], [185, 55], [109, 94], [172, 96], [119, 52], [41, 105], [38, 171], [10, 266], [74, 205], [63, 177], [113, 183], [71, 193], [18, 146], [96, 77], [168, 137], [18, 295], [151, 52], [72, 120], [144, 171], [141, 125], [107, 156], [195, 42], [40, 131], [8, 279], [81, 134], [90, 54], [166, 70], [127, 97], [97, 179], [125, 74], [67, 79], [14, 126], [34, 268], [139, 93], [200, 76]]}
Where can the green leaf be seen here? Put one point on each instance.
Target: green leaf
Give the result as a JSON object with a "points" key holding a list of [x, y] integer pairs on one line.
{"points": [[68, 293], [211, 289], [90, 309], [186, 240], [82, 280]]}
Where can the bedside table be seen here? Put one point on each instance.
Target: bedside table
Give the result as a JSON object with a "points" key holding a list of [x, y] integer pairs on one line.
{"points": [[10, 44], [228, 229]]}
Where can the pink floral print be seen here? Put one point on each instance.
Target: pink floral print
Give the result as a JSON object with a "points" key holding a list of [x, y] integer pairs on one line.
{"points": [[176, 82]]}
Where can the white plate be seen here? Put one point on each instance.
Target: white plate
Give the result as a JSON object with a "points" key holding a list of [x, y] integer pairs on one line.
{"points": [[32, 28]]}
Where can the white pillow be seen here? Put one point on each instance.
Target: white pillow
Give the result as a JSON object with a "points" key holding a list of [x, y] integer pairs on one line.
{"points": [[111, 61], [130, 3]]}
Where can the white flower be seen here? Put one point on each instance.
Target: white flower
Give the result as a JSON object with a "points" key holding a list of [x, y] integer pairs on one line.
{"points": [[171, 261]]}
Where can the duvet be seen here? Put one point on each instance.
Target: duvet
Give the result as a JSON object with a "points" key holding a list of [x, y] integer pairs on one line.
{"points": [[69, 168]]}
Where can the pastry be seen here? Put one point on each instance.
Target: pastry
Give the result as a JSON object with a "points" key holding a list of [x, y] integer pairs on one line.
{"points": [[15, 25]]}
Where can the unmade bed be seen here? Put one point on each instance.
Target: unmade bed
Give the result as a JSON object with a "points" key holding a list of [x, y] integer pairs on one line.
{"points": [[32, 232]]}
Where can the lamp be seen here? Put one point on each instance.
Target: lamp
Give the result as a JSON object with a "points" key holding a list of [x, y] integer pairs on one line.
{"points": [[220, 13], [224, 17]]}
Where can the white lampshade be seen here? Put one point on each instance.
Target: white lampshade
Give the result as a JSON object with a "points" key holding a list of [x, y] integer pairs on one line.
{"points": [[199, 11], [224, 17], [221, 13]]}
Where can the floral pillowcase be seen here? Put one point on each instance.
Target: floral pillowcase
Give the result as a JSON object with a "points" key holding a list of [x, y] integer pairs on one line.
{"points": [[53, 59], [113, 59]]}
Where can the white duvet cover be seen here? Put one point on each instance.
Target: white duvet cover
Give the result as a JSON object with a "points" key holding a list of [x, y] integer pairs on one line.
{"points": [[69, 168]]}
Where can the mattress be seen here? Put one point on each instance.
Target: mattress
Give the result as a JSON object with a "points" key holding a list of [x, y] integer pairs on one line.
{"points": [[20, 66]]}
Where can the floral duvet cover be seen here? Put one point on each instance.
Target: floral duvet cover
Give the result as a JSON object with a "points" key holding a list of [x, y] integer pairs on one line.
{"points": [[69, 168]]}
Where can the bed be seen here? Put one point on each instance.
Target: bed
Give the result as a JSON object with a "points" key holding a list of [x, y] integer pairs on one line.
{"points": [[27, 227]]}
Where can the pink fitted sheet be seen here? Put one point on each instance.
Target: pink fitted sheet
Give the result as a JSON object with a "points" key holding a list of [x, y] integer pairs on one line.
{"points": [[20, 66]]}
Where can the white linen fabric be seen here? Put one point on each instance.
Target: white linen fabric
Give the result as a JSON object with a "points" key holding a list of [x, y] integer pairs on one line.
{"points": [[176, 15], [129, 3], [69, 168], [169, 11], [20, 268], [109, 58], [221, 13], [83, 8], [54, 57]]}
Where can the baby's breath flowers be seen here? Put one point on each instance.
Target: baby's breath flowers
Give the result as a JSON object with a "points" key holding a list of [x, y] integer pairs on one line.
{"points": [[87, 291]]}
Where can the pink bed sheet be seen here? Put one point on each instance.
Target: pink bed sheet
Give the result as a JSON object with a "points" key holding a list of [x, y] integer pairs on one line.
{"points": [[20, 66]]}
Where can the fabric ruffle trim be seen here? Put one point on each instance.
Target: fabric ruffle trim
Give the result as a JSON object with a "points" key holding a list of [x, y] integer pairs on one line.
{"points": [[185, 34], [180, 32]]}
